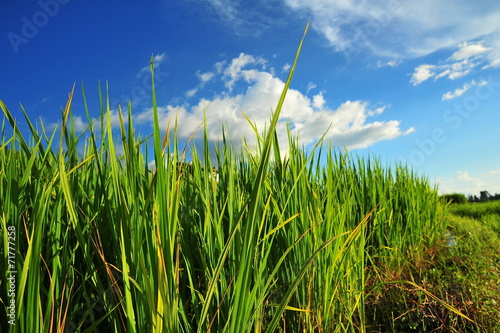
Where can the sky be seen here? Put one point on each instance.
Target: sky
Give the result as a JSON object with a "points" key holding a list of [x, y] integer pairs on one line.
{"points": [[413, 82]]}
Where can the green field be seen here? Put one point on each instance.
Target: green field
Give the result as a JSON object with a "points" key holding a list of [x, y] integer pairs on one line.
{"points": [[314, 241]]}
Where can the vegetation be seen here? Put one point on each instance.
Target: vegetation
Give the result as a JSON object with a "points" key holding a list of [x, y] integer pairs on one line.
{"points": [[478, 251], [485, 214], [462, 268], [483, 197], [458, 198], [311, 242]]}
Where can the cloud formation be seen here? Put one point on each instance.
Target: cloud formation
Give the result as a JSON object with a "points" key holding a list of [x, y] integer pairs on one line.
{"points": [[157, 60], [400, 29], [468, 184], [392, 30], [460, 91], [254, 91], [468, 57]]}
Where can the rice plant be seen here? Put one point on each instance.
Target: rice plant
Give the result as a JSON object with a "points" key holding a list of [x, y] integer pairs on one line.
{"points": [[270, 243]]}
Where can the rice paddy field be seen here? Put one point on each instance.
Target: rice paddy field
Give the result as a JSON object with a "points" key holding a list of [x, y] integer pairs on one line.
{"points": [[310, 241]]}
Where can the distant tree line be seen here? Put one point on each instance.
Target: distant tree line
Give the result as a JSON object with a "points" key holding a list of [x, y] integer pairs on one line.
{"points": [[484, 196], [459, 198]]}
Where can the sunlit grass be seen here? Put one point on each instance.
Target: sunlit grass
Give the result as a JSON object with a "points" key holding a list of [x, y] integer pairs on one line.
{"points": [[104, 243]]}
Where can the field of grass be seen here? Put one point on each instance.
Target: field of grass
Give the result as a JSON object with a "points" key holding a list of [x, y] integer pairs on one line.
{"points": [[477, 229], [309, 242], [462, 268]]}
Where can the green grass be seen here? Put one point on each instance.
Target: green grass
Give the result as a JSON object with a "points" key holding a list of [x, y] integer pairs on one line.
{"points": [[488, 213], [462, 269], [296, 243], [476, 259]]}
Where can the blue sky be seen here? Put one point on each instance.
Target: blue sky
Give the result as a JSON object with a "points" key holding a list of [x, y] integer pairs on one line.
{"points": [[417, 82]]}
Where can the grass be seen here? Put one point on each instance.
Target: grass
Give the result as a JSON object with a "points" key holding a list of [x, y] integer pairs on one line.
{"points": [[462, 269], [476, 264], [302, 242], [488, 213]]}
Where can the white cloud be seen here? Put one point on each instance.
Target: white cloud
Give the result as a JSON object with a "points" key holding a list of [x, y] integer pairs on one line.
{"points": [[205, 77], [225, 9], [191, 92], [494, 64], [469, 56], [464, 175], [157, 60], [318, 101], [310, 86], [80, 124], [451, 71], [422, 73], [400, 28], [390, 29], [115, 119], [235, 71], [464, 182], [457, 93], [469, 49], [257, 94], [390, 63], [460, 91]]}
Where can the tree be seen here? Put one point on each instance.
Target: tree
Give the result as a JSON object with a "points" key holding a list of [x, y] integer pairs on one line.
{"points": [[484, 195]]}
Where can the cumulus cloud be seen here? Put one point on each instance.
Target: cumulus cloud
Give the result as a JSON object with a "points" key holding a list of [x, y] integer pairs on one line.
{"points": [[469, 56], [234, 71], [256, 96]]}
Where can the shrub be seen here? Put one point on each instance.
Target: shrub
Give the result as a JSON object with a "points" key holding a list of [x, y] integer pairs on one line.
{"points": [[458, 198]]}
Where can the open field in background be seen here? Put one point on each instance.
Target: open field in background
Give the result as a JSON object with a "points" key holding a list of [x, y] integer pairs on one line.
{"points": [[310, 242]]}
